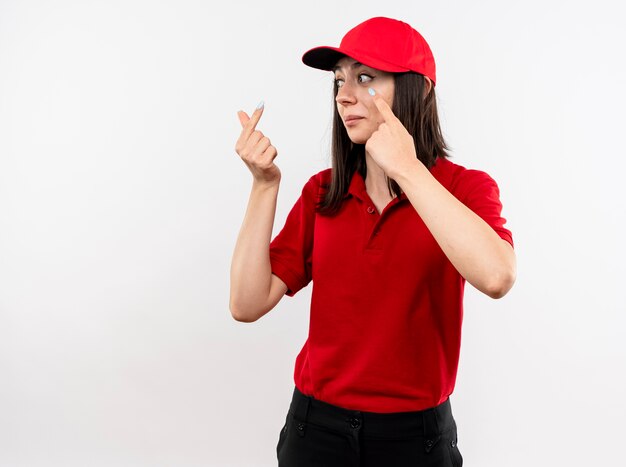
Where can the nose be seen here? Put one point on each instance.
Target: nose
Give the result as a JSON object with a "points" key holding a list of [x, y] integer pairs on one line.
{"points": [[345, 94]]}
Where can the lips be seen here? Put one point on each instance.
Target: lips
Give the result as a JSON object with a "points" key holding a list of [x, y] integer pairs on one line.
{"points": [[352, 117]]}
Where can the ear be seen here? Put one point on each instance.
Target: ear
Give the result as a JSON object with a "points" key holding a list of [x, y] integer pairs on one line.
{"points": [[428, 86]]}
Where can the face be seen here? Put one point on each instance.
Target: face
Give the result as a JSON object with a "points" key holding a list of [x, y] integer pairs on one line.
{"points": [[352, 81]]}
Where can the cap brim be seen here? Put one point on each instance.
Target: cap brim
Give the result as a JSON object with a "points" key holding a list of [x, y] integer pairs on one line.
{"points": [[325, 58], [322, 58]]}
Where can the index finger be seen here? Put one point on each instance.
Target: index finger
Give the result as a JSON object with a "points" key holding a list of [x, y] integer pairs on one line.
{"points": [[384, 108], [250, 125]]}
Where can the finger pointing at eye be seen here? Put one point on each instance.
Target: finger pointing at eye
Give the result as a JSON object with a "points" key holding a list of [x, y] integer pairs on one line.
{"points": [[382, 106]]}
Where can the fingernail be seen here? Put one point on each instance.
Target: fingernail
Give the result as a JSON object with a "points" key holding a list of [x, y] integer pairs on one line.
{"points": [[261, 104], [371, 91]]}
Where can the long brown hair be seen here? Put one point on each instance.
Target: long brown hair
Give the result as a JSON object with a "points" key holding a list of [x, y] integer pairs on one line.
{"points": [[419, 117]]}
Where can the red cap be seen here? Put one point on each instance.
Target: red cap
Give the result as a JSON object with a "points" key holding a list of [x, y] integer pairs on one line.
{"points": [[383, 43]]}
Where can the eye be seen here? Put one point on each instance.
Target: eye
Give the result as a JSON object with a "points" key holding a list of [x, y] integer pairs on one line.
{"points": [[339, 82]]}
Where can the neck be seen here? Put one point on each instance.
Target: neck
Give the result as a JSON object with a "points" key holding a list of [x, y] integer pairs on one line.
{"points": [[376, 180]]}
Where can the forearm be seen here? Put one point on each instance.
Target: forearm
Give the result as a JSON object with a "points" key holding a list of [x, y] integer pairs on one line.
{"points": [[480, 255], [250, 273]]}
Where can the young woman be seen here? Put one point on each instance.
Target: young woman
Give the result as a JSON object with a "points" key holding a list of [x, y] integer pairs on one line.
{"points": [[388, 235]]}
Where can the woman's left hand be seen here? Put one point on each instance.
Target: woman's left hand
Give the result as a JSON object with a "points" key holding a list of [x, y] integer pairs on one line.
{"points": [[391, 145]]}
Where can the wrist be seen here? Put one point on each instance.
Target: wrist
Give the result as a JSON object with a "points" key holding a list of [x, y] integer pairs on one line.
{"points": [[408, 171], [259, 185]]}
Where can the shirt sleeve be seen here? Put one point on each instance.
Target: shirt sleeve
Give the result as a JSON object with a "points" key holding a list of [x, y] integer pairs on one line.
{"points": [[481, 194], [291, 249]]}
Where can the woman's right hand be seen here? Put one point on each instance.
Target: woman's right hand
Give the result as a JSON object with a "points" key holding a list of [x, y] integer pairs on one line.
{"points": [[256, 150]]}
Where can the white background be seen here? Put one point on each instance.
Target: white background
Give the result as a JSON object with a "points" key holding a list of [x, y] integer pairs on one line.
{"points": [[121, 197]]}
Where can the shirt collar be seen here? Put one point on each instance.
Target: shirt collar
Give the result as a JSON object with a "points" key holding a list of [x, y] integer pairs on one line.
{"points": [[357, 188]]}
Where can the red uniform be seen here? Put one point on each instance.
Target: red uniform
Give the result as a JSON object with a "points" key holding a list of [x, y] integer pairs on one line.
{"points": [[386, 304]]}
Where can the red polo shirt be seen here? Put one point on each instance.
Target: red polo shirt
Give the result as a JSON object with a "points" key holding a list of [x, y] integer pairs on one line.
{"points": [[386, 304]]}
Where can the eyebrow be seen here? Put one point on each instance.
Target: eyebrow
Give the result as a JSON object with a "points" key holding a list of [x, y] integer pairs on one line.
{"points": [[354, 65]]}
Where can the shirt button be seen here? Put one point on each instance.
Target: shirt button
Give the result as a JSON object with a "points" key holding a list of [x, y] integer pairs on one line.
{"points": [[300, 426], [452, 443], [429, 443], [370, 210], [355, 423]]}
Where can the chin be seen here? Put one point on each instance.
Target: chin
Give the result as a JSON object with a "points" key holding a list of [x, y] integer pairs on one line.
{"points": [[358, 138]]}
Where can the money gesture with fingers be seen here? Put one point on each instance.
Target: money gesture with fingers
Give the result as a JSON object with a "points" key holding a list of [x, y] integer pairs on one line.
{"points": [[391, 146], [256, 150]]}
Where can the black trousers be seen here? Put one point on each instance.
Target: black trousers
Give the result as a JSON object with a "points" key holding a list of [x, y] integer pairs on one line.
{"points": [[318, 434]]}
